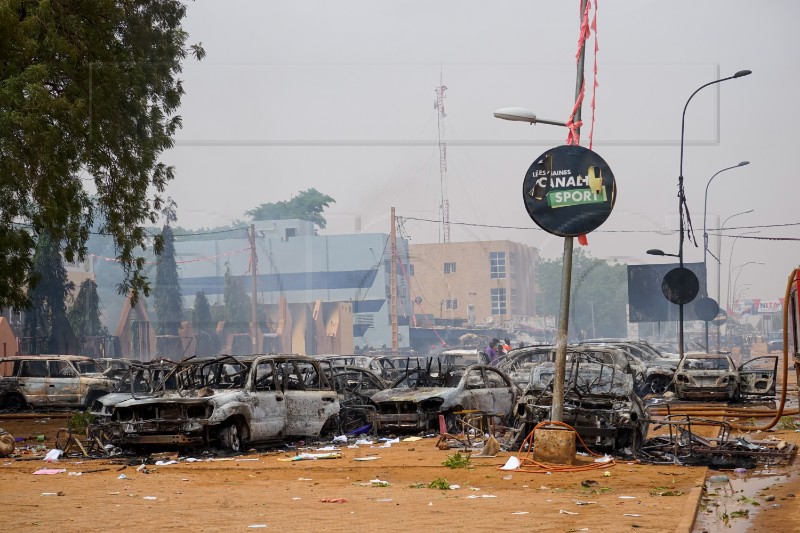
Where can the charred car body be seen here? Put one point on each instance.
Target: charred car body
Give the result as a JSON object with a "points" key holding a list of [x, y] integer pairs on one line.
{"points": [[599, 402], [227, 401], [51, 381], [415, 401], [715, 377]]}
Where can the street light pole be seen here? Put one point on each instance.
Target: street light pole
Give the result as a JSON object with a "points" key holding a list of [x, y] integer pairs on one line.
{"points": [[730, 262], [705, 237], [682, 196], [719, 265]]}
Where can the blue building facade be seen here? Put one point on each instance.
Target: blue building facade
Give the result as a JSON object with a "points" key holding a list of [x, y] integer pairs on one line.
{"points": [[295, 263]]}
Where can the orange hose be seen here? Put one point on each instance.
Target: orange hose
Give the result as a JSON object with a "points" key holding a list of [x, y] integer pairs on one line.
{"points": [[531, 466]]}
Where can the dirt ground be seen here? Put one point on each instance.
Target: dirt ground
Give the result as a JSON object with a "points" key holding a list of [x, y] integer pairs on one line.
{"points": [[262, 489]]}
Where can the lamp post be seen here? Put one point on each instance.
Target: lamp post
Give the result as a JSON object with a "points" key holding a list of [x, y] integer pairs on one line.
{"points": [[730, 263], [705, 238], [682, 196], [519, 114], [719, 265], [656, 251]]}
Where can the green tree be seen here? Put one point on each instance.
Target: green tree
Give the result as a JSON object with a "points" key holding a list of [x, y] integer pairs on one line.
{"points": [[167, 294], [307, 205], [88, 92], [46, 323], [599, 295], [237, 303], [204, 326], [84, 314]]}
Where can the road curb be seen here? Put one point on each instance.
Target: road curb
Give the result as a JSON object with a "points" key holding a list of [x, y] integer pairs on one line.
{"points": [[692, 505]]}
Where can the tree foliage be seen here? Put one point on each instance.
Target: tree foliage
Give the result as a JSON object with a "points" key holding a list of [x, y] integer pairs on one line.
{"points": [[237, 303], [599, 293], [88, 92], [307, 205], [47, 319], [84, 314], [167, 294]]}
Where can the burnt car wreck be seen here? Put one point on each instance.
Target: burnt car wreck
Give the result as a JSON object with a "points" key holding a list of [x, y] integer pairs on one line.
{"points": [[414, 402], [599, 403], [230, 402]]}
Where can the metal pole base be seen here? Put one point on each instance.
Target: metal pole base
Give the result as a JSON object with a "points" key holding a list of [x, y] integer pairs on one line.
{"points": [[554, 445]]}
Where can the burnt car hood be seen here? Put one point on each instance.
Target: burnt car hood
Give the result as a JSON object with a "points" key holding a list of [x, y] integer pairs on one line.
{"points": [[411, 395]]}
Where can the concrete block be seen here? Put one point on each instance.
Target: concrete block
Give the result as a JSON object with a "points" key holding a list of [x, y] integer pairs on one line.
{"points": [[554, 445]]}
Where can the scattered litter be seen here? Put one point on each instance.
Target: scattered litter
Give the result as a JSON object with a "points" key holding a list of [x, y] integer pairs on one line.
{"points": [[509, 476], [52, 456], [454, 487], [564, 511], [412, 439], [604, 459], [149, 498], [75, 473], [257, 526], [627, 497], [59, 493], [741, 472], [364, 442], [297, 498], [304, 479], [333, 500], [379, 483], [474, 488], [579, 502], [312, 456], [606, 474], [141, 467], [384, 500], [718, 479], [512, 464], [340, 438], [165, 463], [589, 482], [368, 458], [49, 471], [113, 493], [521, 512], [476, 496], [632, 515], [328, 449], [192, 460], [122, 476]]}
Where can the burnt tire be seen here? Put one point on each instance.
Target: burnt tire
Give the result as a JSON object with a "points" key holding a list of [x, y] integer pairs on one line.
{"points": [[231, 436], [657, 384]]}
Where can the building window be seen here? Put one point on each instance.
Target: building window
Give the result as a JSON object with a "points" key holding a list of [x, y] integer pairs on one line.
{"points": [[499, 302], [513, 302], [511, 264], [497, 265], [449, 268], [451, 304]]}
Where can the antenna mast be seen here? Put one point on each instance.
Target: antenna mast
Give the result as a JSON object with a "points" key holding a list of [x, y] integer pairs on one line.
{"points": [[444, 207]]}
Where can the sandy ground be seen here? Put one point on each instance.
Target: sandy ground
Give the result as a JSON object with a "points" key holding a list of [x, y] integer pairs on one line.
{"points": [[262, 489]]}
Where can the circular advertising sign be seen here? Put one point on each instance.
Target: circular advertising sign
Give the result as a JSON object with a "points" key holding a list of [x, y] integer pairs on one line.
{"points": [[569, 191], [680, 286]]}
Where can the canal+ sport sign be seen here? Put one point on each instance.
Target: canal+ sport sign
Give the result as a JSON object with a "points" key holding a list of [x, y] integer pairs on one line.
{"points": [[569, 191]]}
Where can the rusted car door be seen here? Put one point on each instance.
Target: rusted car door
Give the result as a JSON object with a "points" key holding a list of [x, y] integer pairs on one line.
{"points": [[757, 376], [63, 384], [310, 401], [269, 402], [33, 381]]}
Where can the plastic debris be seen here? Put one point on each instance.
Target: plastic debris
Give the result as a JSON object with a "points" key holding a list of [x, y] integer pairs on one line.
{"points": [[340, 438], [741, 472], [606, 474], [367, 458], [718, 479], [52, 456], [312, 456], [627, 497], [632, 515], [149, 498], [257, 526], [75, 473], [412, 439], [49, 471], [564, 511], [379, 483], [512, 464], [165, 463], [521, 512], [364, 442], [333, 500], [122, 476], [59, 493], [579, 502], [476, 496], [604, 459]]}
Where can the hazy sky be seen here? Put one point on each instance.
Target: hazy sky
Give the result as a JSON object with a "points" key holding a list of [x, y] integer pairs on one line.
{"points": [[339, 96]]}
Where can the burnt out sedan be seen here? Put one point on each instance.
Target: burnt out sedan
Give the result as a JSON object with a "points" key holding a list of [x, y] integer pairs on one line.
{"points": [[599, 402], [415, 401], [702, 376]]}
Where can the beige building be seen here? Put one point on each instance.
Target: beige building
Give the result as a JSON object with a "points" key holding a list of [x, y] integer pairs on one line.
{"points": [[474, 281]]}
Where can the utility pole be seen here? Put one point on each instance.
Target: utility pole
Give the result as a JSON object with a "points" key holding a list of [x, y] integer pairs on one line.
{"points": [[254, 274], [444, 207], [393, 283], [557, 409]]}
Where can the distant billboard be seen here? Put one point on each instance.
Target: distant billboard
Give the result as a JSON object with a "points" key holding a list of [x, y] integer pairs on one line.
{"points": [[646, 300]]}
